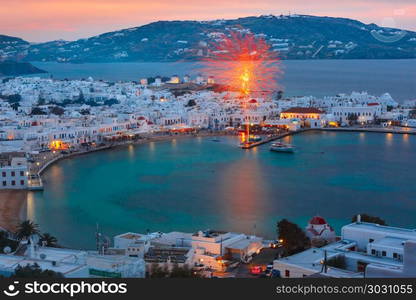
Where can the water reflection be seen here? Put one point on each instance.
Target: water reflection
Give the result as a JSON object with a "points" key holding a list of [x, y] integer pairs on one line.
{"points": [[389, 139], [241, 191], [30, 206]]}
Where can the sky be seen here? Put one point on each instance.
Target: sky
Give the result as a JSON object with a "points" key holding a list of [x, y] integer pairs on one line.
{"points": [[46, 20]]}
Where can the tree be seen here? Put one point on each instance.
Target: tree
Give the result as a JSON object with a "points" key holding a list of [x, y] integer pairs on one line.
{"points": [[34, 271], [158, 272], [15, 106], [279, 95], [49, 240], [190, 103], [84, 112], [56, 110], [41, 101], [370, 219], [293, 238], [26, 228], [182, 272], [352, 117], [37, 111], [14, 98], [111, 102]]}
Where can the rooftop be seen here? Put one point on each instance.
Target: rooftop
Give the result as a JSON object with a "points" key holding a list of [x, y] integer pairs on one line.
{"points": [[303, 110], [389, 230]]}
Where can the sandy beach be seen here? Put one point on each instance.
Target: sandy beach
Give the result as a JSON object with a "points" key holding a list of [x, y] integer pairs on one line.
{"points": [[11, 207]]}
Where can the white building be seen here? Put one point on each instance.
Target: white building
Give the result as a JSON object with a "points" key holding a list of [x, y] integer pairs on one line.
{"points": [[365, 250], [363, 114], [14, 173], [212, 249], [74, 263]]}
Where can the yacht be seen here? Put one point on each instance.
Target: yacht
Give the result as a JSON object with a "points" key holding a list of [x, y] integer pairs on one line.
{"points": [[281, 147]]}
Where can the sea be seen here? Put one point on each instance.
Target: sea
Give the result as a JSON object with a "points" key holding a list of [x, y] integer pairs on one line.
{"points": [[299, 77], [191, 184]]}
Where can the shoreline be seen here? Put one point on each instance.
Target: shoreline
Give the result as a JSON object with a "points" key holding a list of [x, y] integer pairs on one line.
{"points": [[141, 141]]}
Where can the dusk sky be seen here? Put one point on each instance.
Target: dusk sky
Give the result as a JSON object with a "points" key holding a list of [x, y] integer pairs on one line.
{"points": [[45, 20]]}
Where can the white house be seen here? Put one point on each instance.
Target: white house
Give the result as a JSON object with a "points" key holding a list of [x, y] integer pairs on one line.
{"points": [[365, 250], [14, 173]]}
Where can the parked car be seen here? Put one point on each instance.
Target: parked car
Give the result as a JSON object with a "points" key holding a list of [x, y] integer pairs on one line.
{"points": [[269, 269], [275, 273], [256, 270]]}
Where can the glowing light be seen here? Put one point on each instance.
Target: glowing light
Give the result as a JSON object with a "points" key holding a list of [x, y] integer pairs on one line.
{"points": [[58, 145], [243, 63]]}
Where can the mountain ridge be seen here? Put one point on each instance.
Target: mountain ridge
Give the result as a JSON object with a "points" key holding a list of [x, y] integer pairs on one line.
{"points": [[293, 37]]}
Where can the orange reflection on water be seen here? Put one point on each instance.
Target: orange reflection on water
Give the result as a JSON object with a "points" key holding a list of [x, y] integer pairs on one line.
{"points": [[243, 193], [30, 206], [389, 139]]}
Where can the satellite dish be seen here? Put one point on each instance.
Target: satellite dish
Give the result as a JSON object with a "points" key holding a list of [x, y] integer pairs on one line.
{"points": [[7, 250]]}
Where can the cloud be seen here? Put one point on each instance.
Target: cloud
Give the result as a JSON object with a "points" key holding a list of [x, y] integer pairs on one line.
{"points": [[42, 20]]}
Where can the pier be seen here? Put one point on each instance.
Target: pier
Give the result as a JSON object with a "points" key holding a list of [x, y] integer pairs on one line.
{"points": [[271, 139], [392, 130]]}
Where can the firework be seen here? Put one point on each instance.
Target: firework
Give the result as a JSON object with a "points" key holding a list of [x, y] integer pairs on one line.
{"points": [[245, 63]]}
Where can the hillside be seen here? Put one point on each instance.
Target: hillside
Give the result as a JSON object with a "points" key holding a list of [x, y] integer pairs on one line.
{"points": [[12, 68], [293, 37]]}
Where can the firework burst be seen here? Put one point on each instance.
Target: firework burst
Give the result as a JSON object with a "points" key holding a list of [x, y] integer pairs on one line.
{"points": [[245, 63]]}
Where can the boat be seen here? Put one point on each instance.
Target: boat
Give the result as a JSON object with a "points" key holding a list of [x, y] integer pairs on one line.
{"points": [[254, 138], [281, 147]]}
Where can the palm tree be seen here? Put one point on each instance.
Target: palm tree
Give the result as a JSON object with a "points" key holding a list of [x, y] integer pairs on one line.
{"points": [[26, 228], [49, 240]]}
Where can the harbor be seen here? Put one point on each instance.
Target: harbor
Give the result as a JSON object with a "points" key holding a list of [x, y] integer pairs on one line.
{"points": [[239, 190]]}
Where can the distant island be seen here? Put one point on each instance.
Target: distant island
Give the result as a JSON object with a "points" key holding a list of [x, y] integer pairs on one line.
{"points": [[291, 36], [12, 68]]}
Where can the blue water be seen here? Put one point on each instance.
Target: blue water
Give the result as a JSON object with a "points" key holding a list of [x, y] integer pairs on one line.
{"points": [[196, 183], [301, 77]]}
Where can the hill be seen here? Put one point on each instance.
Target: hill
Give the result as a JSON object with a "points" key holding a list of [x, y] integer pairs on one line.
{"points": [[294, 37]]}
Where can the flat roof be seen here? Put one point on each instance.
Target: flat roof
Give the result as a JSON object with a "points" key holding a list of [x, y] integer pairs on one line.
{"points": [[311, 259], [13, 261], [409, 233], [129, 236]]}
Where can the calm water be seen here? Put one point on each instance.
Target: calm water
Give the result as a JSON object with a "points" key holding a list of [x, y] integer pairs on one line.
{"points": [[301, 77], [192, 184]]}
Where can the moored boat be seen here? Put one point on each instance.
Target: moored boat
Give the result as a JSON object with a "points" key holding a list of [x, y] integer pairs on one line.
{"points": [[281, 147]]}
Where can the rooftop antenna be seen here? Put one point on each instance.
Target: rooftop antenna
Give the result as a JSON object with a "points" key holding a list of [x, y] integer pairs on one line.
{"points": [[324, 268], [97, 237]]}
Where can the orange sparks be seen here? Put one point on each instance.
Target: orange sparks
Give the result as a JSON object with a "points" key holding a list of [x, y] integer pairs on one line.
{"points": [[244, 62]]}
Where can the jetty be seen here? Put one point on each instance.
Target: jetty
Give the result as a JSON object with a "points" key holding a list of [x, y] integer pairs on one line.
{"points": [[271, 139]]}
